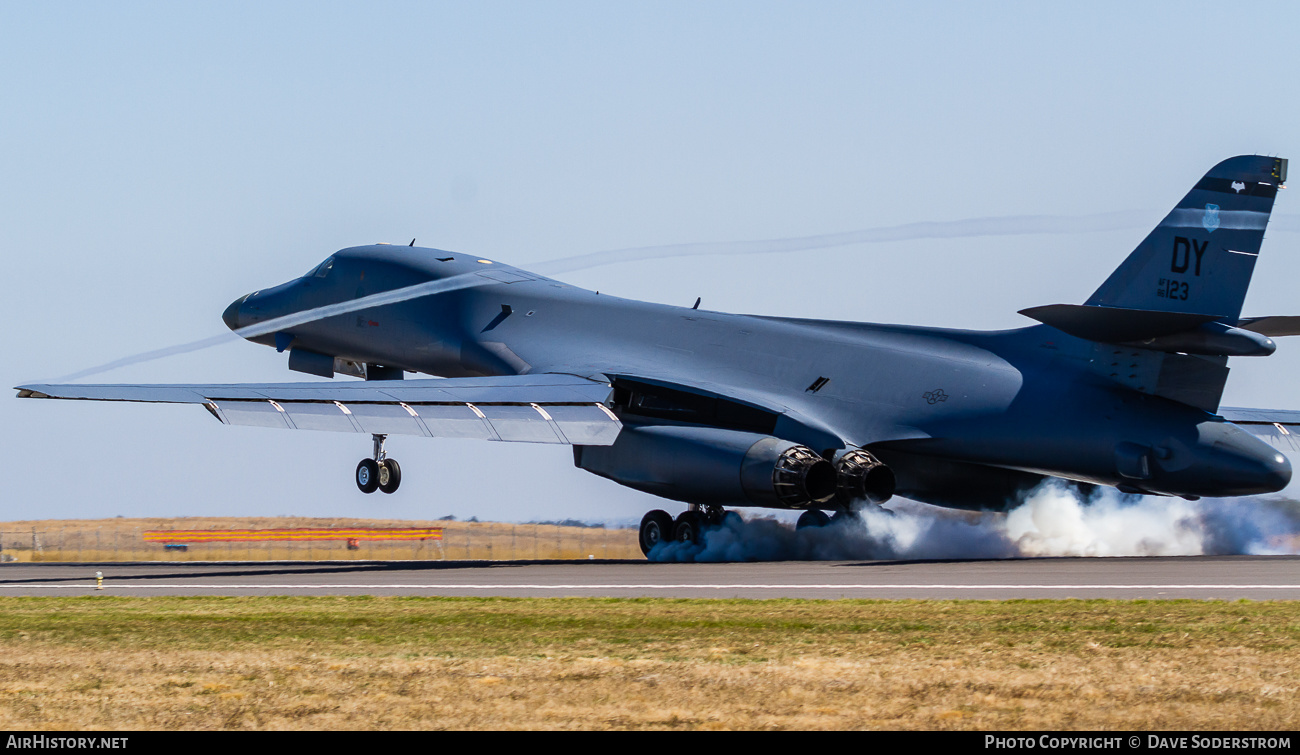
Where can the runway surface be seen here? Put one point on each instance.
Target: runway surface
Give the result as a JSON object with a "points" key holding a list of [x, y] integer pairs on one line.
{"points": [[1205, 577]]}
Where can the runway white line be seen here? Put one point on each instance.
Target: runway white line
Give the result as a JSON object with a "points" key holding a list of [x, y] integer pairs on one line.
{"points": [[115, 585]]}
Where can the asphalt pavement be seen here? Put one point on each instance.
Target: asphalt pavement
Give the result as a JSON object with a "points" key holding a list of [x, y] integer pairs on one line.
{"points": [[1199, 577]]}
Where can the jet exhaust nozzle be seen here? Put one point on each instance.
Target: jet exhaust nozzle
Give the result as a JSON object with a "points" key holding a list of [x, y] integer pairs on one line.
{"points": [[800, 477], [862, 476]]}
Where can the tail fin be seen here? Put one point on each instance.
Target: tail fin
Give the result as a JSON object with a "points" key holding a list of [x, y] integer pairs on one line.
{"points": [[1200, 258]]}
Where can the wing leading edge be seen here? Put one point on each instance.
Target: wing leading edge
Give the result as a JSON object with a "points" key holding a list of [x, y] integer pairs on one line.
{"points": [[524, 408]]}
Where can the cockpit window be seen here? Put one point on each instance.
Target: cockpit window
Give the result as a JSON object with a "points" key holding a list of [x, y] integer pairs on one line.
{"points": [[321, 270]]}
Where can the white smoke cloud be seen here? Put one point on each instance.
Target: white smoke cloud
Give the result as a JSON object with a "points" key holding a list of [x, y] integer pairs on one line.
{"points": [[1053, 521]]}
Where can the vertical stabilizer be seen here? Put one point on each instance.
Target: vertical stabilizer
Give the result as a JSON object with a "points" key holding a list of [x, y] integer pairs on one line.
{"points": [[1200, 258]]}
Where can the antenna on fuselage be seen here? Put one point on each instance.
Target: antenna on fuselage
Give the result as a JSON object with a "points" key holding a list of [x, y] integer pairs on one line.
{"points": [[412, 243], [696, 305]]}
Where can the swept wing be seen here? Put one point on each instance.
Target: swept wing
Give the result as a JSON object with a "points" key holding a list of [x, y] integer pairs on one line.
{"points": [[522, 408]]}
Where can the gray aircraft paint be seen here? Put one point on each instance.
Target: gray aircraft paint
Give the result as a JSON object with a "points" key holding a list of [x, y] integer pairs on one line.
{"points": [[964, 418]]}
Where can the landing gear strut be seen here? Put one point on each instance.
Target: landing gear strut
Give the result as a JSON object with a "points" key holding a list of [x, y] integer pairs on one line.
{"points": [[381, 472]]}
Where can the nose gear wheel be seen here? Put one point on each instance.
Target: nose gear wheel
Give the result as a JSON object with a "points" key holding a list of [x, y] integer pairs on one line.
{"points": [[390, 476], [368, 475], [380, 472]]}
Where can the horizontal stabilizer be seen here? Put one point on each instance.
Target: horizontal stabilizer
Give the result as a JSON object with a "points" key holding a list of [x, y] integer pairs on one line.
{"points": [[1244, 416], [1275, 325], [1279, 428], [1170, 332], [1113, 324]]}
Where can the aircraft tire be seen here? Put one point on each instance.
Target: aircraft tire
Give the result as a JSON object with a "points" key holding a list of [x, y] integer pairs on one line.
{"points": [[394, 476], [812, 518], [688, 527], [656, 527], [367, 476]]}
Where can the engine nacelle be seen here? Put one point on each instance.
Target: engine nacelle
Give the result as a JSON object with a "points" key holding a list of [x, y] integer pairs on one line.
{"points": [[713, 467], [863, 477]]}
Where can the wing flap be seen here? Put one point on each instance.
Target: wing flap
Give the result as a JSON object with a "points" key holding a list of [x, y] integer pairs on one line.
{"points": [[253, 414], [522, 424], [585, 425], [387, 419], [330, 416], [455, 421]]}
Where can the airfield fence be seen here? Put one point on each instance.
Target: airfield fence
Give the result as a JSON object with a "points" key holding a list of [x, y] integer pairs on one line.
{"points": [[459, 541]]}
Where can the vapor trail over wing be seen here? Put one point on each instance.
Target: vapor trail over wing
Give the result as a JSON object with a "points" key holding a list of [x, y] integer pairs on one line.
{"points": [[1016, 225], [288, 321], [149, 356], [971, 227]]}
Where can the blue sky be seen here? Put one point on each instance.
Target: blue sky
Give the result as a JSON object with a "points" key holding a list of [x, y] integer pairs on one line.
{"points": [[162, 159]]}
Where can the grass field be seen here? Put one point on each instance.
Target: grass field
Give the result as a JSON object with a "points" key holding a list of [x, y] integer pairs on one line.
{"points": [[122, 539], [435, 663]]}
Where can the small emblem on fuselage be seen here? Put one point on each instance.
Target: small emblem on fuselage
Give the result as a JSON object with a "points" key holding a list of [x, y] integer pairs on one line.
{"points": [[1211, 219], [1238, 186], [935, 396]]}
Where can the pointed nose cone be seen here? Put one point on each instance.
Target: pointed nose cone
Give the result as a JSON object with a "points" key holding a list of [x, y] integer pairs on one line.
{"points": [[231, 316]]}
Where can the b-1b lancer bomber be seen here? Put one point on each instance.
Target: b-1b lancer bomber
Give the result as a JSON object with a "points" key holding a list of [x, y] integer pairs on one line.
{"points": [[719, 410]]}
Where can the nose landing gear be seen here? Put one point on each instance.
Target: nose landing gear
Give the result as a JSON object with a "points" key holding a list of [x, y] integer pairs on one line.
{"points": [[379, 473]]}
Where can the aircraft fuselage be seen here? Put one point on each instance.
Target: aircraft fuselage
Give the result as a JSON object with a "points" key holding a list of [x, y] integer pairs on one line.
{"points": [[949, 410]]}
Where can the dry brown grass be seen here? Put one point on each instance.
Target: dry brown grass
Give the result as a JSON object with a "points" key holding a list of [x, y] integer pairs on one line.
{"points": [[122, 540], [421, 663]]}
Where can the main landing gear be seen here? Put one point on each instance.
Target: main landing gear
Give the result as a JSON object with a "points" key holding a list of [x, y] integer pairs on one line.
{"points": [[659, 526], [818, 518], [812, 518], [381, 472]]}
